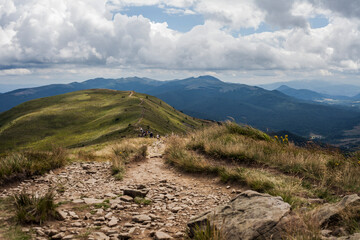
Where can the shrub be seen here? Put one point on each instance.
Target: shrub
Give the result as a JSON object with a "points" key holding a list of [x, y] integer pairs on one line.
{"points": [[33, 209]]}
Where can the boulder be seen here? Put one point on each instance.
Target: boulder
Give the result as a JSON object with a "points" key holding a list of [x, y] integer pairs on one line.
{"points": [[330, 212], [250, 215], [136, 192]]}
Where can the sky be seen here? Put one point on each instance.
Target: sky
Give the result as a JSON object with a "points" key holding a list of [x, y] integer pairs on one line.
{"points": [[246, 41]]}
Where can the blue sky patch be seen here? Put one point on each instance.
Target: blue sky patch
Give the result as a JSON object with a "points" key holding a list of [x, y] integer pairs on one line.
{"points": [[318, 22], [178, 22]]}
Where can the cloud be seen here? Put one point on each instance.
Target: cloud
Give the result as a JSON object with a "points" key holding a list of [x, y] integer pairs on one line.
{"points": [[279, 13], [346, 8], [55, 33], [15, 71]]}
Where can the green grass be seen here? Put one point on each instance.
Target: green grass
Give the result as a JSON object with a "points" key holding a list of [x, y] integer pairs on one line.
{"points": [[87, 117], [104, 205], [15, 233], [8, 228], [31, 209], [24, 164], [142, 201]]}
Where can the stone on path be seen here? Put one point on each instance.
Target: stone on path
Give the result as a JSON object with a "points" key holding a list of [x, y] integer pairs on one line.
{"points": [[161, 236], [126, 198], [93, 201], [58, 236], [62, 215], [113, 222], [141, 218], [100, 236], [136, 193]]}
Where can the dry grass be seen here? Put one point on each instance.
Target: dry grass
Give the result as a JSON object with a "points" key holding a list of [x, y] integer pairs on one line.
{"points": [[25, 164], [251, 158], [125, 153], [327, 168], [303, 227], [260, 179]]}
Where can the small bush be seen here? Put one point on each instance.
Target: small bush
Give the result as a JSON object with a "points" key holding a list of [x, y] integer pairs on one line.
{"points": [[33, 209]]}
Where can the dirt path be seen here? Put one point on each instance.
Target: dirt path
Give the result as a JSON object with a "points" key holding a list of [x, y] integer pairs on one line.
{"points": [[142, 112], [93, 204]]}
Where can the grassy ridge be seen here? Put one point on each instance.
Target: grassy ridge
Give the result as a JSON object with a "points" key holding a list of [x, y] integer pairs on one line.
{"points": [[87, 117]]}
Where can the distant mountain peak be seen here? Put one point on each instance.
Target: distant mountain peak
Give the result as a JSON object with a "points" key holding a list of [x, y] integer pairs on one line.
{"points": [[283, 87], [208, 78]]}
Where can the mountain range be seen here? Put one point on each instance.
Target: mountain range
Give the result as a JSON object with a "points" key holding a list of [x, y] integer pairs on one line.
{"points": [[312, 96], [323, 87], [209, 98]]}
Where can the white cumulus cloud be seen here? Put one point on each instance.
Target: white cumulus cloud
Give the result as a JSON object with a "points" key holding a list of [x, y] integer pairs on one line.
{"points": [[50, 33]]}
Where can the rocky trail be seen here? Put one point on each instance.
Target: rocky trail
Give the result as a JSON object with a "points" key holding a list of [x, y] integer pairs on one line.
{"points": [[95, 206]]}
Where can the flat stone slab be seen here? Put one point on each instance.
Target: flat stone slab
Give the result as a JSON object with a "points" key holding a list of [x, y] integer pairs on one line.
{"points": [[250, 215], [92, 200], [161, 236], [126, 198], [141, 218]]}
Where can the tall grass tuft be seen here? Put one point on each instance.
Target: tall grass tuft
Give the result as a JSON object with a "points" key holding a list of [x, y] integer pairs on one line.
{"points": [[206, 231], [25, 164], [32, 209]]}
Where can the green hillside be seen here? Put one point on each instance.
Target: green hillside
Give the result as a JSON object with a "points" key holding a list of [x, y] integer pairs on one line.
{"points": [[87, 117]]}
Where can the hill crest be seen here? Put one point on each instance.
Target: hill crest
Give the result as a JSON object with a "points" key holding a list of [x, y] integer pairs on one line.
{"points": [[86, 117]]}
